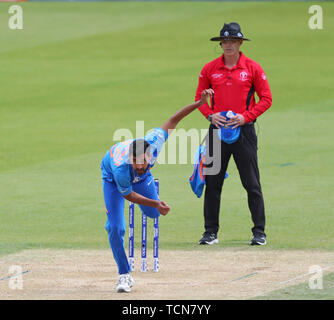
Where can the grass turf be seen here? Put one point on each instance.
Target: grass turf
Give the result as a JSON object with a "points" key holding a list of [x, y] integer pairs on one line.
{"points": [[304, 292], [79, 71]]}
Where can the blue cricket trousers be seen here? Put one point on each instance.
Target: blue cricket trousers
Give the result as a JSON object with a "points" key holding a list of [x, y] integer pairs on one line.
{"points": [[115, 225]]}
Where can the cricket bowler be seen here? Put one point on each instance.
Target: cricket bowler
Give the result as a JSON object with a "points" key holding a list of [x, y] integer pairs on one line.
{"points": [[126, 174]]}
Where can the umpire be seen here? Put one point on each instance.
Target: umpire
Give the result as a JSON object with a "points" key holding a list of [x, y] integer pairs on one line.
{"points": [[234, 79]]}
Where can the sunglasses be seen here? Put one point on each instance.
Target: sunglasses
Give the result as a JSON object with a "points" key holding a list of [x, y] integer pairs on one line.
{"points": [[233, 40]]}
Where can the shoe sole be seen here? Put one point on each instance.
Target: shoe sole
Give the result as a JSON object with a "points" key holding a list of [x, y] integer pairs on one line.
{"points": [[258, 243], [123, 290], [208, 242]]}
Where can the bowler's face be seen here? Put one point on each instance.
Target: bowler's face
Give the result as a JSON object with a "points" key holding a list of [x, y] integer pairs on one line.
{"points": [[231, 46], [140, 163]]}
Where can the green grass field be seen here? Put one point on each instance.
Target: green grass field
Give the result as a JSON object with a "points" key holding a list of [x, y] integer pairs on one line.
{"points": [[303, 292], [79, 71]]}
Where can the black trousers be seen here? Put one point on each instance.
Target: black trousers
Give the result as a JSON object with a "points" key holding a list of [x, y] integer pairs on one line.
{"points": [[244, 153]]}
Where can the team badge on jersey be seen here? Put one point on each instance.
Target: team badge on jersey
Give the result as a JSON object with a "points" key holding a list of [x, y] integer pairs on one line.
{"points": [[136, 179], [243, 76]]}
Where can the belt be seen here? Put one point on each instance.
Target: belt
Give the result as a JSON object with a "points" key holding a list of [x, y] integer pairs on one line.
{"points": [[249, 123], [245, 125]]}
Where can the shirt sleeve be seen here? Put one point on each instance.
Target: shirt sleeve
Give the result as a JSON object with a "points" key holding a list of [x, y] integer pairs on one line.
{"points": [[203, 83], [262, 89], [123, 181], [156, 139]]}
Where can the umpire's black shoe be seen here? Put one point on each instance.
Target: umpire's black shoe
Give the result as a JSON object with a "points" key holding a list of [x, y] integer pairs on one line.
{"points": [[258, 240], [208, 238]]}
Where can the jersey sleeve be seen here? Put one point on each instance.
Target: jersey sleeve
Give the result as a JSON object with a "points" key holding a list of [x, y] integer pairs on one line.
{"points": [[262, 89], [123, 181], [156, 139], [203, 83]]}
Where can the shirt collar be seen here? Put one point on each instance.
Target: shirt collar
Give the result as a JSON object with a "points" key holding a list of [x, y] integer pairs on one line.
{"points": [[240, 65]]}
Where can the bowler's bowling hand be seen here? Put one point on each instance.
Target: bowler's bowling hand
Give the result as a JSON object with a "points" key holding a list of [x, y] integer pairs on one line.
{"points": [[236, 121], [205, 95], [163, 208]]}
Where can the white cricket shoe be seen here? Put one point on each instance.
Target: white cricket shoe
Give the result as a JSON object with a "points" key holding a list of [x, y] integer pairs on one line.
{"points": [[131, 281], [123, 283]]}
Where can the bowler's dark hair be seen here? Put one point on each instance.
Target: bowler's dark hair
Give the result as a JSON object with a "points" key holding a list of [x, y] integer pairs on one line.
{"points": [[139, 147]]}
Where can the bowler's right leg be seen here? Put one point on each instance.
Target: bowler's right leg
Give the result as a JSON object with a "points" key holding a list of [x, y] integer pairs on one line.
{"points": [[115, 227]]}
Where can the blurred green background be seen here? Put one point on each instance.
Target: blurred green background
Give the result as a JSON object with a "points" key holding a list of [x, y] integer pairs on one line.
{"points": [[77, 72]]}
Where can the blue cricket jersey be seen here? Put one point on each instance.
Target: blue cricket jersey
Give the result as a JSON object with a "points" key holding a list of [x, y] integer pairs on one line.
{"points": [[116, 167]]}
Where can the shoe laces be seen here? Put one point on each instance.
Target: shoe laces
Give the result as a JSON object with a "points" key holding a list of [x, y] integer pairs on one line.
{"points": [[209, 234], [123, 279]]}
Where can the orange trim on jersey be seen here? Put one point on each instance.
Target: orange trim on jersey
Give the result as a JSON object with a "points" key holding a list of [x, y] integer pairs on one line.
{"points": [[192, 177], [201, 165], [200, 169]]}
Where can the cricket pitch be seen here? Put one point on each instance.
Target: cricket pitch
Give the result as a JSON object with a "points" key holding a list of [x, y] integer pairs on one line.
{"points": [[198, 274]]}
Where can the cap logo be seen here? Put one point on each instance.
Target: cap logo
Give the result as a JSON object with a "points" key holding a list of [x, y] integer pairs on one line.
{"points": [[226, 33], [239, 35]]}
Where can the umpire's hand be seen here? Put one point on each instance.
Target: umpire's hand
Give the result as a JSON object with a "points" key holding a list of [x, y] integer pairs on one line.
{"points": [[236, 121], [218, 120]]}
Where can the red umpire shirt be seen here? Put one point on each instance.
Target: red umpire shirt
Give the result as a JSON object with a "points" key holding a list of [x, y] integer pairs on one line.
{"points": [[234, 88]]}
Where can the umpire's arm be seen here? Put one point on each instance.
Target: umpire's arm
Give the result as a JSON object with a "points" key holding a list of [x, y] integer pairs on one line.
{"points": [[262, 89], [204, 83]]}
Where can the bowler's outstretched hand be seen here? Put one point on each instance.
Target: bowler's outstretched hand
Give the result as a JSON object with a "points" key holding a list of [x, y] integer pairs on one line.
{"points": [[163, 208], [205, 95]]}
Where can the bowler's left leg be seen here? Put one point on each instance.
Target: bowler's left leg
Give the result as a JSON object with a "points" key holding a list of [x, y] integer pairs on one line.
{"points": [[147, 189]]}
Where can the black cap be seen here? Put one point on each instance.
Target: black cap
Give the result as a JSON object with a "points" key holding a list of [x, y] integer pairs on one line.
{"points": [[230, 30]]}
